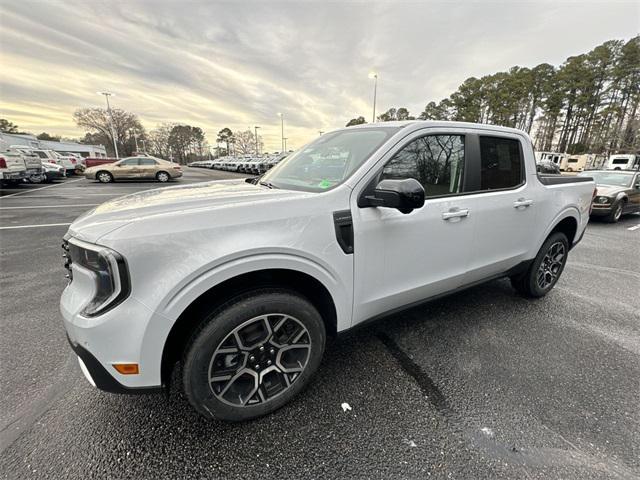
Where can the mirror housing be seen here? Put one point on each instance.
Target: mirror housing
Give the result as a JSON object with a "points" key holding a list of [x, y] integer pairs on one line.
{"points": [[405, 195]]}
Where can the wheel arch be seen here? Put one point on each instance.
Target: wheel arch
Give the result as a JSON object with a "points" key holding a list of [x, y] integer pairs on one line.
{"points": [[300, 282], [567, 225]]}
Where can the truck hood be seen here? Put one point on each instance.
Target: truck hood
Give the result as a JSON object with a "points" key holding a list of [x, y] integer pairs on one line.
{"points": [[172, 200]]}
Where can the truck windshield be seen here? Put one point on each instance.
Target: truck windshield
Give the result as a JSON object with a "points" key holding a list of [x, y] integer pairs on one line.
{"points": [[609, 178], [329, 160]]}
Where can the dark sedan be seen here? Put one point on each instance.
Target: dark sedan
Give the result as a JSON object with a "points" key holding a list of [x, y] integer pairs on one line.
{"points": [[618, 193]]}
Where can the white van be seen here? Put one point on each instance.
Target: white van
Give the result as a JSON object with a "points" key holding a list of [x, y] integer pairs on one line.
{"points": [[624, 162], [559, 159]]}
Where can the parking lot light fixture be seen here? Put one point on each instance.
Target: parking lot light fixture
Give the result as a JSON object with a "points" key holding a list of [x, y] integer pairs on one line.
{"points": [[113, 132], [374, 75], [281, 115]]}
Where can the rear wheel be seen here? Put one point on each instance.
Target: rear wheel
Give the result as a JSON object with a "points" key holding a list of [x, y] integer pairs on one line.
{"points": [[162, 177], [253, 355], [104, 177], [546, 268]]}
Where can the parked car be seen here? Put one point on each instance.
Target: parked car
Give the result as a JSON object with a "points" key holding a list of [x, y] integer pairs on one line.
{"points": [[12, 167], [548, 166], [35, 172], [53, 171], [51, 156], [418, 210], [618, 193], [138, 168]]}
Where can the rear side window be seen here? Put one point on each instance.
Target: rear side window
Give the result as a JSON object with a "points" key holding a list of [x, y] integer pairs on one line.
{"points": [[436, 161], [620, 161], [500, 163], [147, 161]]}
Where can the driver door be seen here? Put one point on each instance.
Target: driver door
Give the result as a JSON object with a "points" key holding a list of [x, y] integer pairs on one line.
{"points": [[402, 259]]}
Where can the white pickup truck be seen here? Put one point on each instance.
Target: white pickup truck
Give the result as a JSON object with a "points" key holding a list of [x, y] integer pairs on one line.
{"points": [[243, 280]]}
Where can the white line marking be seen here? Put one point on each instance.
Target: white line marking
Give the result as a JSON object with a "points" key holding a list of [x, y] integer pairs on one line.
{"points": [[35, 226], [41, 188], [51, 206], [635, 227]]}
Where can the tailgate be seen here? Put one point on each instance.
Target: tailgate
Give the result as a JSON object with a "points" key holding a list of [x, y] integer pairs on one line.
{"points": [[15, 163]]}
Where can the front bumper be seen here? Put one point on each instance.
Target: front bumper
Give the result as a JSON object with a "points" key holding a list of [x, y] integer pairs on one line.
{"points": [[99, 377], [602, 210]]}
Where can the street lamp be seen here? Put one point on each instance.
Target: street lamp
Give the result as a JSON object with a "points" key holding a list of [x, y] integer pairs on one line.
{"points": [[257, 144], [135, 137], [281, 115], [285, 143], [113, 131], [374, 75]]}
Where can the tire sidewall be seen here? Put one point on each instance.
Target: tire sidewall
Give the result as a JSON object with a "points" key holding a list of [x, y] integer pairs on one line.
{"points": [[219, 324], [533, 272], [98, 176]]}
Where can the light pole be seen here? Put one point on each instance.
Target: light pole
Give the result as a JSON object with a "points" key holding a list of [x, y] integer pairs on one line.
{"points": [[113, 131], [284, 139], [374, 75], [320, 132], [281, 115], [135, 137], [257, 144]]}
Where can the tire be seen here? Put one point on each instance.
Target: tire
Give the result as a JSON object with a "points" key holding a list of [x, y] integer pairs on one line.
{"points": [[36, 179], [163, 177], [569, 169], [544, 272], [104, 177], [616, 212], [269, 318]]}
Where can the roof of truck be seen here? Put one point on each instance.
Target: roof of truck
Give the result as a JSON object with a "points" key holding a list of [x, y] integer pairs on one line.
{"points": [[438, 123]]}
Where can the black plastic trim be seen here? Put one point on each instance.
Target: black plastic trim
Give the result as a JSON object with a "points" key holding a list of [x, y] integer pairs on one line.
{"points": [[343, 223], [550, 179], [103, 379]]}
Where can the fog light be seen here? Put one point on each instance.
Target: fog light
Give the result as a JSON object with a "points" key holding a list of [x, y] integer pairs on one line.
{"points": [[127, 368]]}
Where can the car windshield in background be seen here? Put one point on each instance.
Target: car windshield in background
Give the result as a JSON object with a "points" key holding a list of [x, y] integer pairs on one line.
{"points": [[609, 178], [329, 160]]}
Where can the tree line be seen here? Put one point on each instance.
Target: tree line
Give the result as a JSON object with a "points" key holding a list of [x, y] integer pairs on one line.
{"points": [[590, 103]]}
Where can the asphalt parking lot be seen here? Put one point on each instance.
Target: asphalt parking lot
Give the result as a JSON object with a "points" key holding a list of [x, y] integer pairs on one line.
{"points": [[481, 384]]}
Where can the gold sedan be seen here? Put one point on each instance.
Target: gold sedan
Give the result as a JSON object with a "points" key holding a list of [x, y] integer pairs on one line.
{"points": [[135, 168]]}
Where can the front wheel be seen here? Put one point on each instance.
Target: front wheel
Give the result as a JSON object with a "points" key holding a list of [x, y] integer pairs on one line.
{"points": [[253, 355], [104, 177], [546, 268], [616, 212]]}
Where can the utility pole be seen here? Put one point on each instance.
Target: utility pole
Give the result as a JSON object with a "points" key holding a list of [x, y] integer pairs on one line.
{"points": [[113, 131], [135, 137], [374, 75], [281, 115], [257, 142]]}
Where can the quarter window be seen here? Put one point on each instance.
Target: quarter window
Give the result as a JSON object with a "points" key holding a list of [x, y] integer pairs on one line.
{"points": [[436, 161], [500, 163]]}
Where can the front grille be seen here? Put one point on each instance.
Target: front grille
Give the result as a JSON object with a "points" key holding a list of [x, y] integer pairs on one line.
{"points": [[67, 259]]}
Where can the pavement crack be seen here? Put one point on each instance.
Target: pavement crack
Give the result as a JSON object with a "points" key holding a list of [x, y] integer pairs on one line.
{"points": [[426, 384]]}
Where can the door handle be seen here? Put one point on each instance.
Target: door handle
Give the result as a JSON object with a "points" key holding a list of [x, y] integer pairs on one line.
{"points": [[455, 213], [521, 202]]}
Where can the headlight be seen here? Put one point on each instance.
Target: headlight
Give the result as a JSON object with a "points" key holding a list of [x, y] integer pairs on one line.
{"points": [[108, 269], [603, 200]]}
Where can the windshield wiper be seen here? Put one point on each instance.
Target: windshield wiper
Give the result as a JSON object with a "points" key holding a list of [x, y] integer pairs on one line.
{"points": [[267, 184]]}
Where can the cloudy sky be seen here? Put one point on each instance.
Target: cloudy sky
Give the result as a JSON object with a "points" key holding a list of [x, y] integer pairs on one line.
{"points": [[237, 64]]}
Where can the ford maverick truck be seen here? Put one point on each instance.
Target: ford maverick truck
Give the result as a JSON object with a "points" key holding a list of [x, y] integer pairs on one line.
{"points": [[242, 281]]}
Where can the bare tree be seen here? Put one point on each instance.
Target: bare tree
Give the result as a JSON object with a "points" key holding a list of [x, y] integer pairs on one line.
{"points": [[98, 121], [245, 142]]}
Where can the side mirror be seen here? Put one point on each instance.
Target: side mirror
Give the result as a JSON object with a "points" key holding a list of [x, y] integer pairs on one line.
{"points": [[405, 195]]}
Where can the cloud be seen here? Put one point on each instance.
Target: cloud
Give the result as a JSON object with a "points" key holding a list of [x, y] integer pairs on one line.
{"points": [[238, 64]]}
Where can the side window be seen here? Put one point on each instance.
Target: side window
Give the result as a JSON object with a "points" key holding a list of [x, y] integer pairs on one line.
{"points": [[436, 161], [500, 163], [130, 162], [147, 161]]}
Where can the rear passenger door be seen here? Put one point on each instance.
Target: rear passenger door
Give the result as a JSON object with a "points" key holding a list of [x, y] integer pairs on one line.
{"points": [[504, 206], [148, 167]]}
